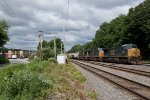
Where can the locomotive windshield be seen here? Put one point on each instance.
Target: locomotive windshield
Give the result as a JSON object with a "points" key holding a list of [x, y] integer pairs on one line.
{"points": [[128, 46], [134, 46]]}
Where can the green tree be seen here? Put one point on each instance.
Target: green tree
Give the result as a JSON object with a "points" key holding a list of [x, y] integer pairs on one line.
{"points": [[138, 27], [3, 32], [75, 48], [110, 34], [88, 46]]}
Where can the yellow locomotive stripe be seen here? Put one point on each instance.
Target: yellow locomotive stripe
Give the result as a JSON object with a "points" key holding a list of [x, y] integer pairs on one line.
{"points": [[101, 54]]}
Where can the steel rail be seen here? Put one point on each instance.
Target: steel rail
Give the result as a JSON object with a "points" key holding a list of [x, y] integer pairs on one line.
{"points": [[129, 70], [138, 89]]}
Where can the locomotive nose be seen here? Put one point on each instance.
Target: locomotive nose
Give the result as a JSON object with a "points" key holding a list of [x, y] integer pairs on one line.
{"points": [[135, 52]]}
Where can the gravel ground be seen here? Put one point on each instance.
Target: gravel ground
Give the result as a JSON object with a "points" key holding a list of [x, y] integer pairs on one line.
{"points": [[134, 77], [104, 89]]}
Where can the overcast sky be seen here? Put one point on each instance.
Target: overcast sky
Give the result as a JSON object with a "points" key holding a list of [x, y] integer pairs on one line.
{"points": [[27, 17]]}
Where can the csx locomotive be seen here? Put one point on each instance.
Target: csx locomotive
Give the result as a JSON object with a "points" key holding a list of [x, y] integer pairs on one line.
{"points": [[128, 53]]}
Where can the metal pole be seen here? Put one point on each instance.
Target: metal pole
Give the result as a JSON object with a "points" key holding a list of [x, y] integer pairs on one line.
{"points": [[41, 51], [61, 48], [40, 35], [64, 38], [65, 27]]}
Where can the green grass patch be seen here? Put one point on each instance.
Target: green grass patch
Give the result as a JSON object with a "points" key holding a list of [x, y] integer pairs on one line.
{"points": [[40, 80]]}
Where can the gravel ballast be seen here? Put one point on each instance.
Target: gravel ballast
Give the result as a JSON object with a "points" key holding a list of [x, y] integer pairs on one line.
{"points": [[104, 89]]}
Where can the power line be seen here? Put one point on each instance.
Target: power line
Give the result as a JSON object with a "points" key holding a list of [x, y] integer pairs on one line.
{"points": [[10, 10], [6, 9], [7, 6]]}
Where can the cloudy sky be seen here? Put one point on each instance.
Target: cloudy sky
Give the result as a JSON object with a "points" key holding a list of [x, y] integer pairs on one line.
{"points": [[27, 17]]}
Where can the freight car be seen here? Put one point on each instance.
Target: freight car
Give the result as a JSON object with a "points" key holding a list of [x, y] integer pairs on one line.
{"points": [[128, 53]]}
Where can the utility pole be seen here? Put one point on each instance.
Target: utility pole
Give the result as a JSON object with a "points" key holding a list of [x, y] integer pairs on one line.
{"points": [[40, 36], [54, 46]]}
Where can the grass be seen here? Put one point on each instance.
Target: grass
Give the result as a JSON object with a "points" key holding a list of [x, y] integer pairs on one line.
{"points": [[40, 80], [69, 83]]}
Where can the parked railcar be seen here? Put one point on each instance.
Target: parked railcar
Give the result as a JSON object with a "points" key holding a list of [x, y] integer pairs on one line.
{"points": [[74, 55], [128, 53]]}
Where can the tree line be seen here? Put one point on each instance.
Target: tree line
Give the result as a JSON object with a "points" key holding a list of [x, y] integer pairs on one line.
{"points": [[131, 28]]}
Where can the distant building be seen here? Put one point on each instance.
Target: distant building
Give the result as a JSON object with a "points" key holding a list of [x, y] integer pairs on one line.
{"points": [[18, 52]]}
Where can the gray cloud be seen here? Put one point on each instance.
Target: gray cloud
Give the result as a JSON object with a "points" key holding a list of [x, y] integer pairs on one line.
{"points": [[27, 17], [106, 4]]}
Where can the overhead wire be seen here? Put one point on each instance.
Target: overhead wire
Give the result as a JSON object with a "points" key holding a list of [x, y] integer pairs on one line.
{"points": [[6, 9], [10, 10]]}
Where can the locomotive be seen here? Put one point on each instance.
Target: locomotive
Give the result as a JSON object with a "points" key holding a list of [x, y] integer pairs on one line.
{"points": [[127, 53]]}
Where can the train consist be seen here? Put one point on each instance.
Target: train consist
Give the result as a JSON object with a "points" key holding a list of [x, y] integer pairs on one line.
{"points": [[15, 53], [128, 53]]}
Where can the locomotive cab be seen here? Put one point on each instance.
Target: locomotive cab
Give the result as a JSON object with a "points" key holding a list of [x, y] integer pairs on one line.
{"points": [[132, 52]]}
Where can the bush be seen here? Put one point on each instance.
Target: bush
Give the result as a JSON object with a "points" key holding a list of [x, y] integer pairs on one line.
{"points": [[3, 59], [23, 82], [46, 53], [52, 60]]}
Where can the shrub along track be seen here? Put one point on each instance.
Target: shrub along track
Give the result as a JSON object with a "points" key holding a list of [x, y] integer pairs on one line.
{"points": [[140, 90], [129, 70]]}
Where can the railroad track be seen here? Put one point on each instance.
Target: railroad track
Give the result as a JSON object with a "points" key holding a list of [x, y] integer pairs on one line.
{"points": [[138, 89], [129, 70]]}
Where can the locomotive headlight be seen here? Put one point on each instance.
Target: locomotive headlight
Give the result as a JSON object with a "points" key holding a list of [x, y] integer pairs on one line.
{"points": [[133, 55]]}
